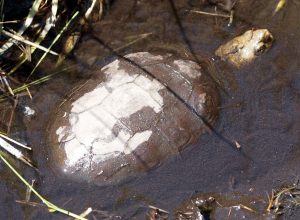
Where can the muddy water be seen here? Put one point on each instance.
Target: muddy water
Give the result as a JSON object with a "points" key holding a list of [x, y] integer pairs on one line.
{"points": [[259, 110]]}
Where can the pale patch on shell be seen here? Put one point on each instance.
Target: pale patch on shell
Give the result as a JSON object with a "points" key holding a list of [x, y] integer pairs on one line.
{"points": [[201, 100], [60, 133], [145, 56], [189, 68], [136, 140], [94, 115]]}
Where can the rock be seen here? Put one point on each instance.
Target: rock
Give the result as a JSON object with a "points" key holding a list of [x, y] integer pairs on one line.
{"points": [[245, 48], [130, 116]]}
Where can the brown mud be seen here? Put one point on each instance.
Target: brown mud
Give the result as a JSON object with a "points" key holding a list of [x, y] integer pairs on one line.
{"points": [[259, 110]]}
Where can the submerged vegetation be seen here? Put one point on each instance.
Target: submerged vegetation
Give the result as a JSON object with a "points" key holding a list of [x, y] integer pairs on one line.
{"points": [[26, 40], [51, 207], [40, 33], [284, 199]]}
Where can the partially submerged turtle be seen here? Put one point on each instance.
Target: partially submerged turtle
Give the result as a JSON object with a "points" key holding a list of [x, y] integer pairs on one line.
{"points": [[135, 112]]}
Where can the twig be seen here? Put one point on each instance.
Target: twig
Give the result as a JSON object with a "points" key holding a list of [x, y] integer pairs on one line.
{"points": [[34, 204], [139, 37], [54, 11], [270, 199], [15, 152], [5, 82], [36, 82], [28, 191], [12, 114], [51, 207], [100, 9], [86, 212], [9, 22], [159, 209], [26, 24], [247, 208], [210, 14], [21, 39], [90, 9], [15, 142], [53, 42], [41, 37]]}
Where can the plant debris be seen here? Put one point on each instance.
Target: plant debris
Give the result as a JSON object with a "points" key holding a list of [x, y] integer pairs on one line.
{"points": [[284, 199], [51, 206], [48, 26], [280, 5]]}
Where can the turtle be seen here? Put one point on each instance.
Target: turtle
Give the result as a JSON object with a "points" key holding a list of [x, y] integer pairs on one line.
{"points": [[133, 114], [139, 110]]}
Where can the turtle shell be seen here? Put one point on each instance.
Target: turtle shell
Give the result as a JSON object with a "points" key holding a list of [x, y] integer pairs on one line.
{"points": [[131, 115]]}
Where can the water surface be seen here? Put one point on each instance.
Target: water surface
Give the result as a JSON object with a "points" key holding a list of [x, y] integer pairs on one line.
{"points": [[259, 110]]}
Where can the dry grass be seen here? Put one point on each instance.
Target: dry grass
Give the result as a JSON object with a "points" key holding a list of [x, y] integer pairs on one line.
{"points": [[19, 45], [51, 207], [284, 199], [28, 44]]}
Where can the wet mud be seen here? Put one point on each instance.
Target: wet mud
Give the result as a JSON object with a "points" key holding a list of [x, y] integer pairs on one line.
{"points": [[259, 112]]}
